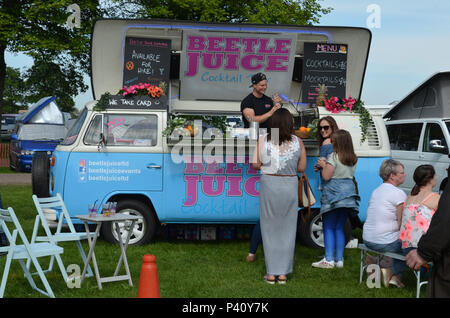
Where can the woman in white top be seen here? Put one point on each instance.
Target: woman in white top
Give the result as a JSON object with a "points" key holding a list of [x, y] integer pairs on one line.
{"points": [[279, 155], [381, 228]]}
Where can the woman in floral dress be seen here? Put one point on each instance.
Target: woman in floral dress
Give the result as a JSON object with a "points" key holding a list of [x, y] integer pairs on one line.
{"points": [[419, 208]]}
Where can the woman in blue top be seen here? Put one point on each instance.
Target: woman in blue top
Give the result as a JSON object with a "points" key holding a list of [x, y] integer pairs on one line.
{"points": [[326, 126], [338, 197]]}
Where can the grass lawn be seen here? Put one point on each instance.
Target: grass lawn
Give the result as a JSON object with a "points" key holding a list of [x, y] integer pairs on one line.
{"points": [[196, 269], [6, 170]]}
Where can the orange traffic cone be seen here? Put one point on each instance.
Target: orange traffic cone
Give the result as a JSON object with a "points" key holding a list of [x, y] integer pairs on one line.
{"points": [[148, 281]]}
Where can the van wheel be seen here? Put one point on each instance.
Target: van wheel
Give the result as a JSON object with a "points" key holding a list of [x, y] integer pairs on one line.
{"points": [[311, 231], [144, 230], [40, 168]]}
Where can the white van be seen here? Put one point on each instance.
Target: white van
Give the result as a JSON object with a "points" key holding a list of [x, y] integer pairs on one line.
{"points": [[119, 153], [419, 129]]}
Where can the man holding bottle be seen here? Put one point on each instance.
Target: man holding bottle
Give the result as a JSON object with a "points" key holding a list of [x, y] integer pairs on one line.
{"points": [[257, 106]]}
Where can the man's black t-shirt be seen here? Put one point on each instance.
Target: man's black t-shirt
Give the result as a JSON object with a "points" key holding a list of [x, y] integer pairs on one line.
{"points": [[259, 105]]}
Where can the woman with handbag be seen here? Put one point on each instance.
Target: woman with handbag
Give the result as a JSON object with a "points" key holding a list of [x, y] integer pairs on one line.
{"points": [[279, 155], [338, 197]]}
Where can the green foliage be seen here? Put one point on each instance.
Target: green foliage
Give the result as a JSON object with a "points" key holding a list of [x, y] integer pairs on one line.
{"points": [[236, 11], [38, 28], [365, 119], [14, 94], [314, 129], [181, 121], [47, 78], [103, 102]]}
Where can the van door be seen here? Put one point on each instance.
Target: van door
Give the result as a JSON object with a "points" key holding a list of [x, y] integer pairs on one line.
{"points": [[404, 140], [129, 160], [435, 150]]}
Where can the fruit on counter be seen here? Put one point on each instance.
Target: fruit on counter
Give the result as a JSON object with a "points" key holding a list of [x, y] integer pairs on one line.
{"points": [[192, 131], [304, 129]]}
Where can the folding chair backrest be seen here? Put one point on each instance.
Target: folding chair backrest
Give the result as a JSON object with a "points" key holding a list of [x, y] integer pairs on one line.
{"points": [[55, 203], [9, 216], [5, 217]]}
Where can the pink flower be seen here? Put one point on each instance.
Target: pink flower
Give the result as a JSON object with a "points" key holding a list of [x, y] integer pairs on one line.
{"points": [[408, 235], [413, 207], [402, 235], [408, 226], [422, 223]]}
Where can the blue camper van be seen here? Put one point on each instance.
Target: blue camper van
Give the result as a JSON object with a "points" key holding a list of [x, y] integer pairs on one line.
{"points": [[118, 151], [40, 128]]}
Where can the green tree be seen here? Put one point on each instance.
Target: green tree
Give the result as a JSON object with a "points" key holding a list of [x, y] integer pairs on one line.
{"points": [[15, 90], [51, 79], [300, 12], [38, 28]]}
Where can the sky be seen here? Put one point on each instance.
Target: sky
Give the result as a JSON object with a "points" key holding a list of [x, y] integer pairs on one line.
{"points": [[410, 43]]}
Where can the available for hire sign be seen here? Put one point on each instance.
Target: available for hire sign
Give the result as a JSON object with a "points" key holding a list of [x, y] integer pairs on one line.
{"points": [[219, 65]]}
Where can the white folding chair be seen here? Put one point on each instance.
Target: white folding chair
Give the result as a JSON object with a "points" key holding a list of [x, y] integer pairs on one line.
{"points": [[57, 203], [25, 251]]}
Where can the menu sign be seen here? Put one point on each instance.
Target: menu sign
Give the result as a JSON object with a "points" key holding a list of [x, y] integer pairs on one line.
{"points": [[219, 65], [146, 60], [324, 64]]}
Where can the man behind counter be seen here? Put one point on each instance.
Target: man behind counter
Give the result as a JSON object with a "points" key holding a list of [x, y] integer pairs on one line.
{"points": [[258, 106]]}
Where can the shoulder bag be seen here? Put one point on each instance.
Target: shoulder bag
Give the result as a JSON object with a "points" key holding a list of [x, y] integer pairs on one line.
{"points": [[305, 195]]}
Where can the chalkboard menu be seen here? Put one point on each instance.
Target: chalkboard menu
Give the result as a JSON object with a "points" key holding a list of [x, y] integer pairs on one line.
{"points": [[324, 64], [146, 60]]}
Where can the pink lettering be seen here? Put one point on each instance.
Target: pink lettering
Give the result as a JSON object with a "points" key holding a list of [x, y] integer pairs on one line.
{"points": [[191, 190], [234, 186], [263, 46], [230, 44], [249, 44], [274, 63], [250, 186], [281, 46], [214, 168], [207, 185], [196, 43], [251, 170], [247, 64], [194, 168], [213, 44], [232, 62], [208, 60], [193, 58], [232, 168]]}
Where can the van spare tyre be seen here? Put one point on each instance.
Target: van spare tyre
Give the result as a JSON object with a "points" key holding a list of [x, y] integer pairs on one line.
{"points": [[40, 171]]}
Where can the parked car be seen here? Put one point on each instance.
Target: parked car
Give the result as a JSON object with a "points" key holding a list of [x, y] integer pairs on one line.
{"points": [[7, 125], [41, 128], [419, 129]]}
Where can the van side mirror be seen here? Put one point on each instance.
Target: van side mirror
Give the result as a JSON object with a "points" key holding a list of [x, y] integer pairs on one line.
{"points": [[436, 146]]}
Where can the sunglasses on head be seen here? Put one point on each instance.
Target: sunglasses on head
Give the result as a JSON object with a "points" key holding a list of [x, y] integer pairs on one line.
{"points": [[324, 127]]}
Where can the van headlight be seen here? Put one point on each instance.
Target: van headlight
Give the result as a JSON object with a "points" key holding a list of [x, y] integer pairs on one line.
{"points": [[27, 152]]}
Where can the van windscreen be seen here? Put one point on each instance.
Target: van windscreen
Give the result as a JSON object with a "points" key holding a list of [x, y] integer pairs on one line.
{"points": [[72, 134]]}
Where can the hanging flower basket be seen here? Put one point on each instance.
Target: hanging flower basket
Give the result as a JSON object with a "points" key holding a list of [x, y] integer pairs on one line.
{"points": [[336, 105]]}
